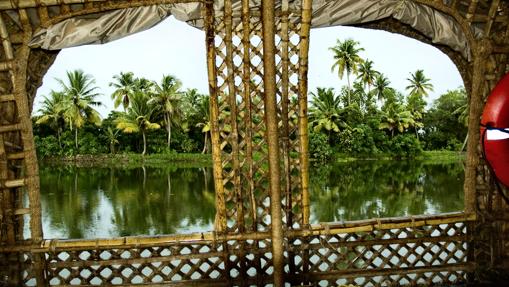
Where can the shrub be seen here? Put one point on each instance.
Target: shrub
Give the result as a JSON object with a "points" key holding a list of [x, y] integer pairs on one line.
{"points": [[319, 148], [405, 145]]}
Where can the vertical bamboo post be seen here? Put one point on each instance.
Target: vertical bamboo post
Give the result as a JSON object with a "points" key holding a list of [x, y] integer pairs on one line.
{"points": [[269, 80], [481, 52], [230, 78], [248, 126], [303, 108], [284, 113], [220, 220]]}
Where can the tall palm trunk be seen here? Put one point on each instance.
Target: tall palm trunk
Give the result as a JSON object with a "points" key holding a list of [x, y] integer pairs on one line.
{"points": [[349, 87], [464, 143], [168, 128], [205, 143], [144, 143], [76, 139]]}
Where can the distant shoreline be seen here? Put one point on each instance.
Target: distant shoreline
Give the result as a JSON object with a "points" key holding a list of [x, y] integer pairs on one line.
{"points": [[203, 160]]}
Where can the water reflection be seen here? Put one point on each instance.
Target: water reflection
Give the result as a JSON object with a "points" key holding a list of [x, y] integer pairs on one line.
{"points": [[102, 202], [368, 189], [88, 203]]}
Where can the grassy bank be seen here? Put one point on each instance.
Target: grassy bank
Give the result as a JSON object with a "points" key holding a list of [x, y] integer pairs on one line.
{"points": [[127, 160], [432, 156], [200, 160]]}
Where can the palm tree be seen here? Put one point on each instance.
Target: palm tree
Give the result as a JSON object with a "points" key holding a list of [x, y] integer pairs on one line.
{"points": [[52, 113], [80, 94], [203, 111], [419, 84], [381, 86], [397, 120], [367, 74], [139, 117], [143, 85], [124, 87], [463, 113], [346, 59], [112, 136], [167, 98], [325, 110]]}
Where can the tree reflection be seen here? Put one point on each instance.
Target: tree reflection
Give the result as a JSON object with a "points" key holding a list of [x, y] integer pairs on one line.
{"points": [[86, 203], [105, 202], [368, 189]]}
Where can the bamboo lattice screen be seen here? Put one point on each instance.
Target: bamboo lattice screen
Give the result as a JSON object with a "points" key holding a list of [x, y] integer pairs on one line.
{"points": [[257, 68]]}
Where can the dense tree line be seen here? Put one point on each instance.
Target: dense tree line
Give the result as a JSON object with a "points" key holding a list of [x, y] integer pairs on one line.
{"points": [[364, 118], [156, 117], [368, 117]]}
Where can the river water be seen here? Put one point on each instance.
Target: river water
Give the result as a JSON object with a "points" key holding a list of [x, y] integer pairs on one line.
{"points": [[109, 202]]}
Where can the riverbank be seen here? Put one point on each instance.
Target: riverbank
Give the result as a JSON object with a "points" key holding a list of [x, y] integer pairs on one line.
{"points": [[200, 160], [128, 160], [433, 156]]}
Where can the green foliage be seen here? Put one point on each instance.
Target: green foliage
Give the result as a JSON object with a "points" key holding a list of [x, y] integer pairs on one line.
{"points": [[366, 118], [444, 123], [405, 145], [319, 148]]}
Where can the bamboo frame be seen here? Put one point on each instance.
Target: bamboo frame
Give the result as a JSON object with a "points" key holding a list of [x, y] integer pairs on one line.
{"points": [[238, 106], [326, 228]]}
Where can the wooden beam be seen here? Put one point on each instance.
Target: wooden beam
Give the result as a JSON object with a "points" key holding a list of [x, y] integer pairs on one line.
{"points": [[23, 4]]}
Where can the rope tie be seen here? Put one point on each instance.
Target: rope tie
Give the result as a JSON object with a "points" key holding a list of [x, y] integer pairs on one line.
{"points": [[52, 245], [326, 229], [378, 223]]}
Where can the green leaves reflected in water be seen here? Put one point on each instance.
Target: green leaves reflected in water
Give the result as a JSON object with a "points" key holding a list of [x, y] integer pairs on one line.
{"points": [[370, 189], [89, 203], [106, 202]]}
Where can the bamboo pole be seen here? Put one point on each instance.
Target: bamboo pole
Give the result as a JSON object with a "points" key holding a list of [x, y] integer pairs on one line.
{"points": [[481, 53], [269, 80], [248, 124], [234, 136], [303, 107], [287, 190], [220, 220], [210, 237], [23, 4]]}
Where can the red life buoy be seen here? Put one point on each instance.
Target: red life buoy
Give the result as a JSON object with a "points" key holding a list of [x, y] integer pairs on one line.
{"points": [[494, 128]]}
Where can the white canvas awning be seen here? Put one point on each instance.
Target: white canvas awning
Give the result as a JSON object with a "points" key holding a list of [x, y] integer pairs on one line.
{"points": [[105, 27]]}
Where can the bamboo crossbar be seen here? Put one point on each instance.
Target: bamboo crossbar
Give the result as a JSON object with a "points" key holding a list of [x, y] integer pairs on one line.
{"points": [[7, 98], [210, 237], [356, 273], [23, 4]]}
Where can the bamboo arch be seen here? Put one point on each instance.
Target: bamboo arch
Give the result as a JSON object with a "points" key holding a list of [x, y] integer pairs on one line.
{"points": [[262, 232]]}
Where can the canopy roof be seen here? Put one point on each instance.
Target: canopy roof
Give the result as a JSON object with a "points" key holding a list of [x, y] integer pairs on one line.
{"points": [[108, 26]]}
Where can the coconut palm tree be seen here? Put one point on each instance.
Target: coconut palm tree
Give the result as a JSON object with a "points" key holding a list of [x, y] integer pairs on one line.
{"points": [[367, 74], [325, 111], [419, 84], [79, 93], [463, 113], [143, 85], [139, 118], [52, 113], [167, 99], [124, 86], [381, 86], [203, 112], [112, 136], [396, 120], [346, 59]]}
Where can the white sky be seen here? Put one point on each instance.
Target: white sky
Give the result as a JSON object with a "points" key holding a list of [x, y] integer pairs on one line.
{"points": [[175, 48]]}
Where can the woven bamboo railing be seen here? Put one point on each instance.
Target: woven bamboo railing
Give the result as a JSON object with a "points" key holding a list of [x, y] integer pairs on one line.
{"points": [[262, 233], [428, 246]]}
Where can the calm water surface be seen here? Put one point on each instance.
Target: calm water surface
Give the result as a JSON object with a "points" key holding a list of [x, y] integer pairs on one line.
{"points": [[105, 202]]}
